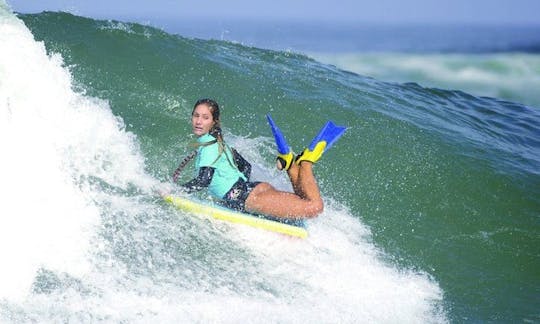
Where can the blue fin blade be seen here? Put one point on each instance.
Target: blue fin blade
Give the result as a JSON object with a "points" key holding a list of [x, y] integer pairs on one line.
{"points": [[329, 133], [282, 146]]}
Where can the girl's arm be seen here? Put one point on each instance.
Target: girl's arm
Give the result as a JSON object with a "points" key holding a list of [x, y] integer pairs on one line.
{"points": [[201, 181]]}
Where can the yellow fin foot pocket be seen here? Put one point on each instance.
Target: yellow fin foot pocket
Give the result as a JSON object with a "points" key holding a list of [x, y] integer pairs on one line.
{"points": [[284, 161], [312, 155]]}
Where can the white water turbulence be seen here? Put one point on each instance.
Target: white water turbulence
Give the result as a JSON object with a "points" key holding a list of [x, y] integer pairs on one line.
{"points": [[509, 76], [51, 138], [84, 239]]}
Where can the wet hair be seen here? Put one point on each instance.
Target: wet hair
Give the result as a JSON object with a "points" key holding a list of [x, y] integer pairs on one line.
{"points": [[214, 109]]}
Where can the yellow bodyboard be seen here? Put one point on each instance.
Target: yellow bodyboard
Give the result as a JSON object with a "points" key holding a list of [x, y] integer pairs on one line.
{"points": [[228, 215]]}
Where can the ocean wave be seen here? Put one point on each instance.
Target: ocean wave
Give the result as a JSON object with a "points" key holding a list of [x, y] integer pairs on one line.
{"points": [[418, 174], [509, 76]]}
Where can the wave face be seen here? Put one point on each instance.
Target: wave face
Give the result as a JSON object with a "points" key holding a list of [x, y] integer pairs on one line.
{"points": [[432, 196]]}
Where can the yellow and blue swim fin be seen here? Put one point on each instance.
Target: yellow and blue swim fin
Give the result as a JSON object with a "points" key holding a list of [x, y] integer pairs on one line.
{"points": [[326, 137], [285, 155]]}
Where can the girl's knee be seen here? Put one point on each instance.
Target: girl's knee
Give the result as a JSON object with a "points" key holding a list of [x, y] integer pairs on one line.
{"points": [[262, 187], [314, 209]]}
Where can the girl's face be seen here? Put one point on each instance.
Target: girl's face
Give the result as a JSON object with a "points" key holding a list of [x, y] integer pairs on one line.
{"points": [[202, 120]]}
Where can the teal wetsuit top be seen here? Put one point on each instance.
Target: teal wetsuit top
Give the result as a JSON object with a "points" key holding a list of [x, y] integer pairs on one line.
{"points": [[226, 174]]}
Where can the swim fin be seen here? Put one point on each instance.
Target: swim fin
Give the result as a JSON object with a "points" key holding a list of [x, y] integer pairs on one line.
{"points": [[285, 155], [326, 137]]}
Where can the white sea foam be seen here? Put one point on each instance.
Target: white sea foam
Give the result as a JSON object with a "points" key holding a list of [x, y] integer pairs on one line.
{"points": [[50, 138]]}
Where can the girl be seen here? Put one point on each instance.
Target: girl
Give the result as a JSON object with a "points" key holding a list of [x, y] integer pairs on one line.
{"points": [[217, 171]]}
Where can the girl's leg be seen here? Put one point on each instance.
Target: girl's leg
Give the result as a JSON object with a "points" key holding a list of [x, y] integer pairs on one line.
{"points": [[265, 199], [307, 183], [293, 174]]}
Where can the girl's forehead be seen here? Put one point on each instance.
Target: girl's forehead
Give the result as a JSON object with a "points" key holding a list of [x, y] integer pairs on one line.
{"points": [[203, 109]]}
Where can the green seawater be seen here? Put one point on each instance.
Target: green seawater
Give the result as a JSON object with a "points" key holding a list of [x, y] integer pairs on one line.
{"points": [[447, 184]]}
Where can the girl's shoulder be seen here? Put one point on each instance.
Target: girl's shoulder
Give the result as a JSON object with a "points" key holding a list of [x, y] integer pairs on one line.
{"points": [[206, 139], [208, 150]]}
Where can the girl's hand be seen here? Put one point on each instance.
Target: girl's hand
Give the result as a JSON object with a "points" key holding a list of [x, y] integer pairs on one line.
{"points": [[163, 189]]}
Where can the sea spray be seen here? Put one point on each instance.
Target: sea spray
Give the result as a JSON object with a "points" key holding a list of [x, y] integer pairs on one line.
{"points": [[45, 219], [54, 141]]}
